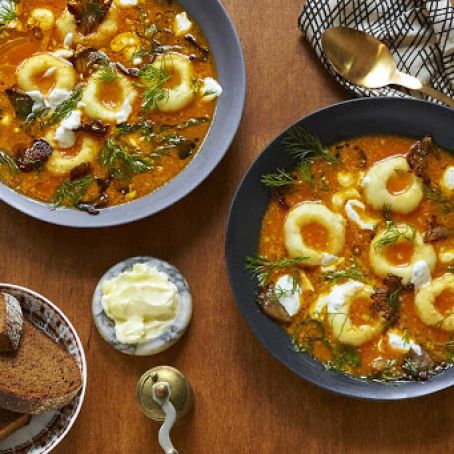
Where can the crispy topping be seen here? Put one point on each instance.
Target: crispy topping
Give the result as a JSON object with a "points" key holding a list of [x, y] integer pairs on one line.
{"points": [[418, 155], [435, 231], [386, 300], [33, 158], [89, 13]]}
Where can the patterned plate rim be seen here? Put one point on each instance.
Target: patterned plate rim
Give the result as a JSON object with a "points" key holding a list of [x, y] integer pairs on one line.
{"points": [[83, 362]]}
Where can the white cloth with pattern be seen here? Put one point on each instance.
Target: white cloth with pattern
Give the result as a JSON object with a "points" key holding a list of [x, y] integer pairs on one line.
{"points": [[420, 34]]}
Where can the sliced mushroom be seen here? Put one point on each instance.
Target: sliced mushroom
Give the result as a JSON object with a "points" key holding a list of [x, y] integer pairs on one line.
{"points": [[85, 60], [271, 306], [33, 158], [435, 231], [90, 14], [21, 102], [97, 128], [418, 155]]}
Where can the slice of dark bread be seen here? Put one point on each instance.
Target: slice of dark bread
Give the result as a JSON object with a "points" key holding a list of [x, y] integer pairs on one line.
{"points": [[10, 422], [39, 376], [11, 323]]}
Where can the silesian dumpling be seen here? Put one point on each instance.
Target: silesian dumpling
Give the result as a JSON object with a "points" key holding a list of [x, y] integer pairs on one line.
{"points": [[306, 213], [66, 23], [376, 193], [421, 252], [37, 65], [335, 307], [182, 94], [98, 110], [425, 303]]}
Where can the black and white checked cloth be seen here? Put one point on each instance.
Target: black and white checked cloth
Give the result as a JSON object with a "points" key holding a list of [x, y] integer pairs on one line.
{"points": [[420, 34]]}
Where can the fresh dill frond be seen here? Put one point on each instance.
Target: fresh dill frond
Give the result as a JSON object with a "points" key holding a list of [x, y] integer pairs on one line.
{"points": [[280, 178], [8, 162], [120, 162], [107, 73], [435, 194], [303, 144], [262, 267], [7, 12], [345, 356], [64, 109], [395, 233], [410, 366], [153, 80], [354, 272], [393, 299], [143, 127], [71, 192], [305, 171]]}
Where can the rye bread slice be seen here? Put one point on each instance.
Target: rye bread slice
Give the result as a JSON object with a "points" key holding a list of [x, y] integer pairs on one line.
{"points": [[11, 322], [10, 422], [38, 377]]}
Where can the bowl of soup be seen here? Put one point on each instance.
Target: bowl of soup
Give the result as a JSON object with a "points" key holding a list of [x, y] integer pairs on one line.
{"points": [[112, 110], [340, 248]]}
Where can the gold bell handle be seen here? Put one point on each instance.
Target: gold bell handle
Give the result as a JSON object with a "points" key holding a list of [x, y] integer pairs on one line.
{"points": [[161, 395]]}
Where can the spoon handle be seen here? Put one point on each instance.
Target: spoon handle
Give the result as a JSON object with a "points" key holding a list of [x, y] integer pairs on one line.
{"points": [[413, 83]]}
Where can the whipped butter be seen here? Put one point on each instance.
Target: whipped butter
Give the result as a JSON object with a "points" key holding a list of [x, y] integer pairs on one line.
{"points": [[142, 302]]}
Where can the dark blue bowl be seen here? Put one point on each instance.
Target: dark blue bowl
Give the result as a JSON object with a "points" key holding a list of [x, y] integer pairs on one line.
{"points": [[399, 116], [225, 45]]}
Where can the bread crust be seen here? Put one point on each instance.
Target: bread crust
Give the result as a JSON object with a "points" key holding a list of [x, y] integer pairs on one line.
{"points": [[10, 337]]}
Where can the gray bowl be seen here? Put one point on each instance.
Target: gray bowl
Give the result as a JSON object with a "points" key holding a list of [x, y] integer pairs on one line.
{"points": [[398, 116], [225, 45]]}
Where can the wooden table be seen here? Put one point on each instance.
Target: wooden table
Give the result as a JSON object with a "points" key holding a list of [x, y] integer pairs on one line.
{"points": [[245, 400]]}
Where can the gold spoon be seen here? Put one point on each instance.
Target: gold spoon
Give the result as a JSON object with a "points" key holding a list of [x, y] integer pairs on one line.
{"points": [[364, 60]]}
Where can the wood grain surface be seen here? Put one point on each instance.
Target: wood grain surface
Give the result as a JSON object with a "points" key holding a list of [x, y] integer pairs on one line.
{"points": [[246, 402]]}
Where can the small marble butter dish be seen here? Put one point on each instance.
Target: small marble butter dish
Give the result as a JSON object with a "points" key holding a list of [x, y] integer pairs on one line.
{"points": [[176, 326]]}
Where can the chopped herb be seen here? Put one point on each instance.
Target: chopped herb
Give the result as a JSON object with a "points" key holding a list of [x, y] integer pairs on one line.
{"points": [[71, 191], [7, 161], [107, 73], [345, 356], [262, 267], [153, 80], [120, 162], [434, 194], [64, 109], [353, 272], [388, 372], [7, 12], [280, 178], [143, 127], [410, 366], [395, 233], [307, 148], [308, 338], [209, 93], [304, 145]]}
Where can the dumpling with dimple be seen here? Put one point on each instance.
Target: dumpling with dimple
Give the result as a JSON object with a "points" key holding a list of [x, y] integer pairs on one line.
{"points": [[313, 231], [347, 309], [435, 303], [447, 181], [391, 183], [400, 250]]}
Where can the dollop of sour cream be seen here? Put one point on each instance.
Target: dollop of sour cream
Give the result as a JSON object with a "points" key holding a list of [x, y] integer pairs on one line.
{"points": [[64, 135], [142, 302], [210, 89], [182, 24], [421, 274], [291, 294]]}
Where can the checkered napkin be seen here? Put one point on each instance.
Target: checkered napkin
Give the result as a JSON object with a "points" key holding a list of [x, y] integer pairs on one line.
{"points": [[420, 34]]}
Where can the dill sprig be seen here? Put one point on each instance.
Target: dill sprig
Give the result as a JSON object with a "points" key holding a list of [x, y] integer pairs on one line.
{"points": [[153, 80], [7, 12], [280, 178], [345, 356], [395, 233], [7, 161], [304, 145], [262, 267], [63, 110], [434, 194], [386, 212], [71, 192], [354, 272], [120, 162], [107, 73]]}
